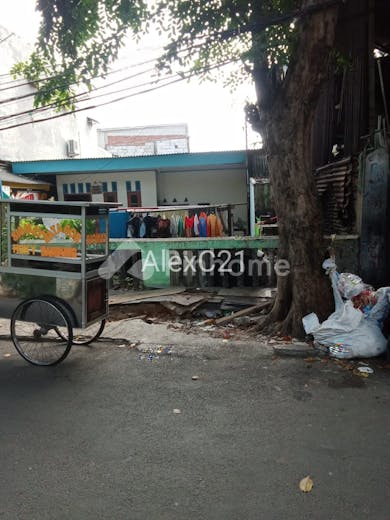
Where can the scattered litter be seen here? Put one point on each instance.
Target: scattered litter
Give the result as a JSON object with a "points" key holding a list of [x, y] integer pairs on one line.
{"points": [[354, 329], [245, 320], [176, 411], [225, 341], [164, 350], [244, 312], [206, 322], [151, 321], [195, 378], [306, 484], [311, 359], [149, 355], [366, 370], [194, 311], [310, 322], [7, 355], [360, 374], [127, 345]]}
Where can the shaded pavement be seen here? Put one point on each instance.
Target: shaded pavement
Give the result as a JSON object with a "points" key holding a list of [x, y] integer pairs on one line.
{"points": [[97, 437]]}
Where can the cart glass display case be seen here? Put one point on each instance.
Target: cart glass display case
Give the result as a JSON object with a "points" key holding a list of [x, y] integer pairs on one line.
{"points": [[55, 249]]}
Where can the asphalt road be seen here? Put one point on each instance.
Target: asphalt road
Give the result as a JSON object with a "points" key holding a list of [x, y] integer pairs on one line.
{"points": [[96, 437]]}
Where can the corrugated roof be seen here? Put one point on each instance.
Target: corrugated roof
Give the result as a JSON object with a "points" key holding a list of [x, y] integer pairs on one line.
{"points": [[146, 162], [8, 177], [129, 156]]}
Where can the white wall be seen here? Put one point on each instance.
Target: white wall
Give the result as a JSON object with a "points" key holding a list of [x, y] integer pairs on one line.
{"points": [[159, 139], [46, 140], [152, 148], [147, 179], [213, 186]]}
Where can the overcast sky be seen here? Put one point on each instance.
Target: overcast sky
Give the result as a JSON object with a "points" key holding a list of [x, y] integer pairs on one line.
{"points": [[214, 115]]}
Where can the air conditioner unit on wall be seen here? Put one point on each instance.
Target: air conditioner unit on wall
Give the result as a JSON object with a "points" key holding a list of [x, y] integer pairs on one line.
{"points": [[72, 148]]}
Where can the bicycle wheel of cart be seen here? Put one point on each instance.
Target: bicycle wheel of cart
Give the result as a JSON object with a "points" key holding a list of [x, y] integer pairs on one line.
{"points": [[34, 330], [87, 335]]}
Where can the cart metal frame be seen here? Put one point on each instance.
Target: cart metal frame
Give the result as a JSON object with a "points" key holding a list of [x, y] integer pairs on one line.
{"points": [[51, 252]]}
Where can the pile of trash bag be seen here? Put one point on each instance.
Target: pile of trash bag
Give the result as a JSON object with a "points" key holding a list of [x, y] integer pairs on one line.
{"points": [[355, 328]]}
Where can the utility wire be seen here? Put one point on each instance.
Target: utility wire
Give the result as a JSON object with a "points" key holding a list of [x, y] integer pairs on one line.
{"points": [[85, 93], [6, 38], [32, 94], [182, 78], [47, 78]]}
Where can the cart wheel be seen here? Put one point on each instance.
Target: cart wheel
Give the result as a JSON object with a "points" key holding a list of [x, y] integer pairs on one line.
{"points": [[87, 335], [34, 330]]}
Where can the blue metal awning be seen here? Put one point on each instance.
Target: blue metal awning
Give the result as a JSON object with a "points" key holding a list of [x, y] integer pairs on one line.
{"points": [[201, 160]]}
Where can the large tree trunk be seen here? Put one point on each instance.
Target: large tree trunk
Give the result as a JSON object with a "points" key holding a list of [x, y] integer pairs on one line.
{"points": [[287, 124]]}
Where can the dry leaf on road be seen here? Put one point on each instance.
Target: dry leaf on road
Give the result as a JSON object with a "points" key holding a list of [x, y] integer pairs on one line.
{"points": [[306, 484]]}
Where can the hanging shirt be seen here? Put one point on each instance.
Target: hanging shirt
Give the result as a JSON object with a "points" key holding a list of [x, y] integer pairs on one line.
{"points": [[188, 225], [203, 225], [180, 227], [150, 226], [142, 230], [219, 227], [214, 226], [133, 227], [163, 228], [174, 220], [196, 225]]}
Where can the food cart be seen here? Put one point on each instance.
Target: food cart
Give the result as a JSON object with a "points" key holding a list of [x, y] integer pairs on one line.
{"points": [[50, 287]]}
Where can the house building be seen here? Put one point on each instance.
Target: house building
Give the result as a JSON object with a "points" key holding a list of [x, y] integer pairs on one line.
{"points": [[22, 136], [145, 140], [149, 181], [16, 186]]}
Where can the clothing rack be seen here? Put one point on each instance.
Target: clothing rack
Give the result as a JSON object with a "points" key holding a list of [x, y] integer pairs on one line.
{"points": [[185, 207]]}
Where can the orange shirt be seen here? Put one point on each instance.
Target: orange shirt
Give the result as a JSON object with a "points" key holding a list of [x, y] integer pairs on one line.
{"points": [[214, 226]]}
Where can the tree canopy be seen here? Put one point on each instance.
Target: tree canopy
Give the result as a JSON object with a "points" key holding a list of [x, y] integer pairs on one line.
{"points": [[79, 39], [286, 46]]}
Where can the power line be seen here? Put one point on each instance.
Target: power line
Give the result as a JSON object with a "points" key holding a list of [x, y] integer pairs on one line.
{"points": [[6, 38], [33, 94], [48, 78], [77, 96], [91, 107]]}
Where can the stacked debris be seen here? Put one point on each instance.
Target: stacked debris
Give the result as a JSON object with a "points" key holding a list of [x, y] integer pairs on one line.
{"points": [[219, 306]]}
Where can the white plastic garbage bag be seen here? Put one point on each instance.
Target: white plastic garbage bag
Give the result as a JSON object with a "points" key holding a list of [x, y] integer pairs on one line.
{"points": [[348, 332]]}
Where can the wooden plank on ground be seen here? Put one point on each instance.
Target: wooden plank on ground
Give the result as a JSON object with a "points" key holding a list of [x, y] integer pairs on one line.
{"points": [[185, 299], [130, 296], [243, 312], [248, 292]]}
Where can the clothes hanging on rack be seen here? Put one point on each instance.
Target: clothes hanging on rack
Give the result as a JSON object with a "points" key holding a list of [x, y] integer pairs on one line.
{"points": [[214, 226], [196, 225], [163, 227], [189, 225], [142, 229], [133, 227], [176, 223], [180, 227], [203, 224], [150, 226]]}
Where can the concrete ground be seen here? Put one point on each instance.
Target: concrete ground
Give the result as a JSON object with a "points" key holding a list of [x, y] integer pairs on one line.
{"points": [[97, 437]]}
